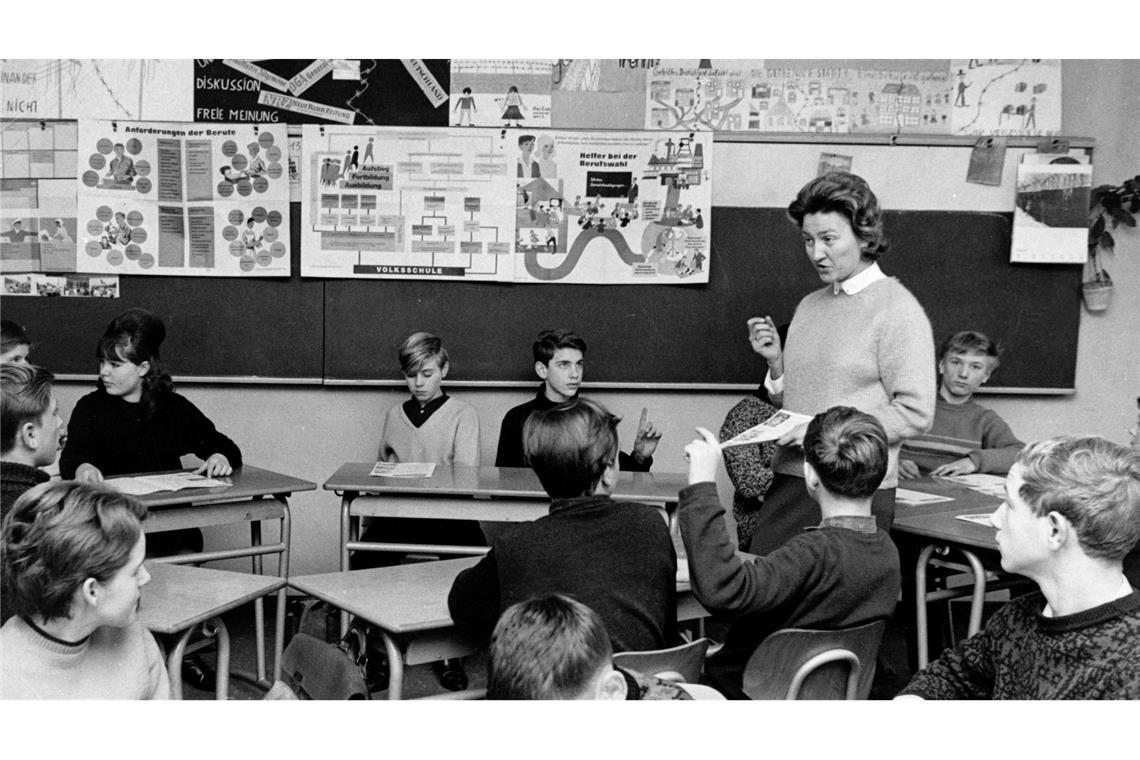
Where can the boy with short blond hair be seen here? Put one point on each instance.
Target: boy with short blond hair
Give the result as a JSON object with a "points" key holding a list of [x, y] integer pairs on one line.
{"points": [[31, 430]]}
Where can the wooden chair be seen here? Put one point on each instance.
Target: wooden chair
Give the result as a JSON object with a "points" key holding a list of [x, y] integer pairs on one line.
{"points": [[796, 663], [680, 664]]}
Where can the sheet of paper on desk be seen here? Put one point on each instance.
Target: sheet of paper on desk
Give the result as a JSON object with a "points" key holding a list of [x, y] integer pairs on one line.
{"points": [[174, 481], [978, 519], [990, 485], [777, 426], [403, 470], [918, 498]]}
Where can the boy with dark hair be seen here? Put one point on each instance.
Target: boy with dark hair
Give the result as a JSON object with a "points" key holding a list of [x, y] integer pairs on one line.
{"points": [[31, 430], [842, 573], [616, 557], [966, 437], [559, 359]]}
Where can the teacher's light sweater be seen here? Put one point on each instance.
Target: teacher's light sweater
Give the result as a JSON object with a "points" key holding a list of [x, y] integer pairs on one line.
{"points": [[873, 350]]}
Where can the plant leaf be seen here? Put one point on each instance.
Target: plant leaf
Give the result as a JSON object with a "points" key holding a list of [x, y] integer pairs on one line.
{"points": [[1107, 242], [1120, 216], [1096, 229]]}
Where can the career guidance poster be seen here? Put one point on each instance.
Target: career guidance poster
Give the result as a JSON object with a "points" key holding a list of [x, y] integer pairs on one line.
{"points": [[178, 198], [37, 196], [612, 208]]}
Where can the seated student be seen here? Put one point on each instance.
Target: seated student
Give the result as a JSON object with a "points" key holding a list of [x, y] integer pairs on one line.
{"points": [[559, 359], [749, 467], [843, 573], [136, 422], [31, 430], [554, 647], [14, 342], [966, 437], [73, 571], [615, 557], [1071, 513]]}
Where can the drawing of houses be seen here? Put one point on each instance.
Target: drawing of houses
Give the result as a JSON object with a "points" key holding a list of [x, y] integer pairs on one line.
{"points": [[900, 105]]}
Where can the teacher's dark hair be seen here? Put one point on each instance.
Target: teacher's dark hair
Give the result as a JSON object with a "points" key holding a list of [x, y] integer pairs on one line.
{"points": [[850, 195]]}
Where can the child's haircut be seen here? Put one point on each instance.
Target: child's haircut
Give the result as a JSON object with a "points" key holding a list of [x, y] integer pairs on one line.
{"points": [[57, 536], [25, 394], [969, 340], [136, 335], [1093, 482], [12, 335], [524, 139], [848, 450], [418, 349], [850, 195], [570, 445], [548, 647], [549, 341]]}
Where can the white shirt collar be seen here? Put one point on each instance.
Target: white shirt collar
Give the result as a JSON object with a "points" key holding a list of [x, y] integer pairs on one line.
{"points": [[858, 282]]}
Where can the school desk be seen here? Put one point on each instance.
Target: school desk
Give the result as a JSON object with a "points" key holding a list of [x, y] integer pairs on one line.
{"points": [[408, 605], [255, 495], [179, 598]]}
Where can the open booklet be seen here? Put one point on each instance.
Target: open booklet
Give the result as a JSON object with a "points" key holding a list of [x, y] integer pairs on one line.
{"points": [[403, 470], [984, 519], [171, 481], [775, 427]]}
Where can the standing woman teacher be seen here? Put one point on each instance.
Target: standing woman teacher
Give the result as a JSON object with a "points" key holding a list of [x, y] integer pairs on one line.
{"points": [[862, 340]]}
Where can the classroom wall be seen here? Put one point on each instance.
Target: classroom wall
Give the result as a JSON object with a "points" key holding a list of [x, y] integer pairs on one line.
{"points": [[309, 432]]}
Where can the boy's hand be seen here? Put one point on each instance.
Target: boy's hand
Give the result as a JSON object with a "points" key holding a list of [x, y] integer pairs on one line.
{"points": [[217, 464], [963, 466], [766, 341], [648, 436], [704, 457], [89, 474], [908, 469]]}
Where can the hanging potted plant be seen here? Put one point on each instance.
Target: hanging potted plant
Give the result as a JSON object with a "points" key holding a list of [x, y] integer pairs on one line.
{"points": [[1109, 206]]}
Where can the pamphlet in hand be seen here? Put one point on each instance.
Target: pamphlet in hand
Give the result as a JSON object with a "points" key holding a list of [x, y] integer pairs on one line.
{"points": [[775, 427], [918, 498], [139, 485], [403, 470]]}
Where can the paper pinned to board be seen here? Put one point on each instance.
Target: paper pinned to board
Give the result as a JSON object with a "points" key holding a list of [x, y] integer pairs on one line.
{"points": [[403, 470], [777, 426], [139, 485]]}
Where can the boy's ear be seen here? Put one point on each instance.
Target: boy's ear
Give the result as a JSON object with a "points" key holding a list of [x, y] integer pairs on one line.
{"points": [[811, 477], [29, 435], [609, 476], [443, 371], [942, 366], [541, 370], [88, 592], [611, 686]]}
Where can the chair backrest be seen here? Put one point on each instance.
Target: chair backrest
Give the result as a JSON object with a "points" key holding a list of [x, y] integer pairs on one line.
{"points": [[680, 664], [796, 663]]}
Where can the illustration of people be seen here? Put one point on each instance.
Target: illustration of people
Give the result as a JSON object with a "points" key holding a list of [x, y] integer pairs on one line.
{"points": [[344, 172], [556, 211], [698, 260], [122, 166], [527, 166], [249, 237], [512, 104], [546, 165], [17, 234], [465, 105], [962, 86], [633, 192], [330, 171], [368, 158], [552, 243], [699, 222], [116, 231], [1031, 114], [355, 158], [230, 174], [256, 162], [57, 234]]}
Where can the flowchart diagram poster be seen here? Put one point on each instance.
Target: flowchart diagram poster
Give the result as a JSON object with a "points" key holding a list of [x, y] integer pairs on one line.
{"points": [[361, 91], [37, 196], [97, 88], [612, 208], [183, 199], [994, 96], [407, 204], [500, 93]]}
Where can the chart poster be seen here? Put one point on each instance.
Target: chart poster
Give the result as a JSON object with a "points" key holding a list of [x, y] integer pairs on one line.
{"points": [[1050, 221], [97, 88], [997, 96], [500, 93], [612, 207], [407, 204], [364, 91], [37, 196], [183, 199], [698, 95]]}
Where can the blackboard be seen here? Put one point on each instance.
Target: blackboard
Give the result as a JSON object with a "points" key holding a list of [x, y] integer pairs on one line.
{"points": [[956, 264], [215, 327]]}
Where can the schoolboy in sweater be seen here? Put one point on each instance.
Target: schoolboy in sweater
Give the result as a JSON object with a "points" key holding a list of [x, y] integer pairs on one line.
{"points": [[966, 437], [1071, 513], [31, 430], [842, 573], [615, 557]]}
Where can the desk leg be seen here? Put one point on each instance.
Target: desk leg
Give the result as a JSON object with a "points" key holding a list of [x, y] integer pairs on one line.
{"points": [[979, 596], [921, 633], [347, 533], [174, 659], [395, 666], [259, 603], [282, 595]]}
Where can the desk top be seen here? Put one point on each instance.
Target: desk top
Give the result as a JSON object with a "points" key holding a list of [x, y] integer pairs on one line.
{"points": [[511, 482], [940, 521], [180, 596], [248, 482]]}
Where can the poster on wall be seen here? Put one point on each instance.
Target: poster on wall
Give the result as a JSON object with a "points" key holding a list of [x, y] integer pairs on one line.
{"points": [[183, 199], [1050, 220], [375, 91], [612, 207], [500, 93], [37, 196], [407, 204], [97, 88], [996, 96], [67, 286], [599, 93]]}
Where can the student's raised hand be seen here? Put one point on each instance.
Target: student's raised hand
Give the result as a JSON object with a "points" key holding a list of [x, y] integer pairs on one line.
{"points": [[89, 474], [704, 457], [963, 466], [796, 437], [648, 436], [908, 469], [765, 340], [216, 465]]}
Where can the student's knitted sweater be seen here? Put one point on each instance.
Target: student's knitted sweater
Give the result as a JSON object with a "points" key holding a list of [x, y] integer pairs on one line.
{"points": [[15, 478], [1021, 654], [873, 350], [964, 430], [112, 663], [449, 436]]}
